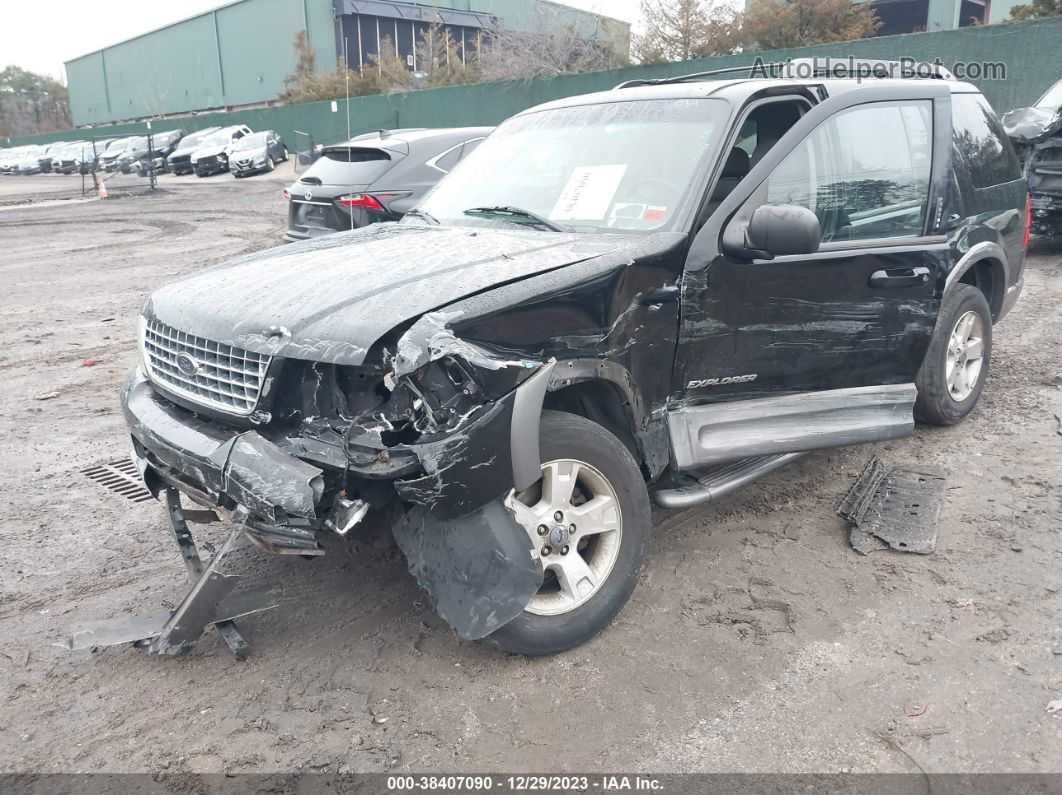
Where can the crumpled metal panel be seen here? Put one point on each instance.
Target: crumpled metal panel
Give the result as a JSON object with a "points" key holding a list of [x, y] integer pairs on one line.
{"points": [[329, 299], [478, 569], [247, 467]]}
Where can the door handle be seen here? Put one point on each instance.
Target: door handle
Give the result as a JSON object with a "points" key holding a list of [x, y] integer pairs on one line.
{"points": [[899, 277]]}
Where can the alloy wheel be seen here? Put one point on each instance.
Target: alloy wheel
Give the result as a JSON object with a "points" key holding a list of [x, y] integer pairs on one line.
{"points": [[965, 356], [573, 518]]}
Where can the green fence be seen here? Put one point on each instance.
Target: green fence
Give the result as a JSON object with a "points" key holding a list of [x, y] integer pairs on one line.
{"points": [[1028, 51]]}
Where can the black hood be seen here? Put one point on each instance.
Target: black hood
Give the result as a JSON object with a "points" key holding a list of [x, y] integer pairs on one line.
{"points": [[329, 299]]}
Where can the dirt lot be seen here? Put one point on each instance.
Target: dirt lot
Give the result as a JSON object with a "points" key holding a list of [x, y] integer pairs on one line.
{"points": [[756, 641]]}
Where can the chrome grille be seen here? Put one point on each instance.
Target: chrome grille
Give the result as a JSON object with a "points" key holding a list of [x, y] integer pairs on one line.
{"points": [[227, 378]]}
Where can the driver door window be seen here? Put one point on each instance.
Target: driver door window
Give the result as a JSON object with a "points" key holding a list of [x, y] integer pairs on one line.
{"points": [[864, 172]]}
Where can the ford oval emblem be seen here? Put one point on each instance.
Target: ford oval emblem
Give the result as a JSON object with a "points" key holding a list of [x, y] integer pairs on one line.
{"points": [[187, 364]]}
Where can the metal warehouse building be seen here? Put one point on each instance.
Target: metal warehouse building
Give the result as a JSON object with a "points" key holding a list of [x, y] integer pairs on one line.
{"points": [[238, 54]]}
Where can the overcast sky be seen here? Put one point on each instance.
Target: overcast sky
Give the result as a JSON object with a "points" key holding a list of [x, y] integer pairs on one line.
{"points": [[39, 36]]}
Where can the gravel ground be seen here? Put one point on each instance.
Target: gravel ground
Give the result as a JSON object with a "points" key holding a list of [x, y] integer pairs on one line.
{"points": [[756, 641]]}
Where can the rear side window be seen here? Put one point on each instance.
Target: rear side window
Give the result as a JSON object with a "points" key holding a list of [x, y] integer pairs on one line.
{"points": [[350, 166], [980, 140]]}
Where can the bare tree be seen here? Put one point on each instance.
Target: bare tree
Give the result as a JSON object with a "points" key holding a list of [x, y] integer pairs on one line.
{"points": [[777, 24], [556, 45], [31, 103], [677, 30]]}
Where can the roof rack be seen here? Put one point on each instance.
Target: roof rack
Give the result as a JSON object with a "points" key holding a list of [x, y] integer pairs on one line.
{"points": [[809, 68], [904, 69]]}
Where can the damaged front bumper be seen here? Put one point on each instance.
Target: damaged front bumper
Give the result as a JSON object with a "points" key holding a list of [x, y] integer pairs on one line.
{"points": [[225, 468], [463, 546]]}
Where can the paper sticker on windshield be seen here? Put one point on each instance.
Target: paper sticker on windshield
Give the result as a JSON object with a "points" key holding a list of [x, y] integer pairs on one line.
{"points": [[654, 213], [589, 193]]}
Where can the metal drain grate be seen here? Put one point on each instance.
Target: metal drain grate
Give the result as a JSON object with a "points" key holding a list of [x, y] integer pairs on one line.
{"points": [[121, 477]]}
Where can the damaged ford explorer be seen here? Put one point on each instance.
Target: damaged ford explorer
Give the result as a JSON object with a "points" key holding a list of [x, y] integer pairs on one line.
{"points": [[656, 293]]}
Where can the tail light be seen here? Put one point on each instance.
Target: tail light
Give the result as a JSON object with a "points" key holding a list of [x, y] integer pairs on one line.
{"points": [[363, 200], [287, 193], [1028, 220]]}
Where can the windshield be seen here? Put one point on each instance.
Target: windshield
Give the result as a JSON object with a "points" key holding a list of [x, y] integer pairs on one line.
{"points": [[252, 141], [1053, 97], [622, 166], [217, 139], [117, 144]]}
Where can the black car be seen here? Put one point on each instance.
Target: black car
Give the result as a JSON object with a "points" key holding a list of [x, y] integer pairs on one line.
{"points": [[373, 177], [259, 151], [179, 161], [148, 151], [1036, 133], [655, 293], [136, 149]]}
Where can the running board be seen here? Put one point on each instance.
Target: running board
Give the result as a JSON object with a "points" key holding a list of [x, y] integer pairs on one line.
{"points": [[718, 481]]}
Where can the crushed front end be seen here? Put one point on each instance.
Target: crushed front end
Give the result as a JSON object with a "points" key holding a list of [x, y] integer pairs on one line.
{"points": [[1037, 137], [287, 450]]}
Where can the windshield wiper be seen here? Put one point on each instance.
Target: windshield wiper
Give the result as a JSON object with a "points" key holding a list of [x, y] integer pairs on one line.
{"points": [[426, 216], [517, 212]]}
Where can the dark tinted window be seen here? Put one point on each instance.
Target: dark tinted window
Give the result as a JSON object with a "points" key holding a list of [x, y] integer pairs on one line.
{"points": [[350, 166], [980, 140]]}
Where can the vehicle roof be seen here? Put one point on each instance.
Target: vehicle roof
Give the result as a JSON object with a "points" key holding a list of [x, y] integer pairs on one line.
{"points": [[733, 90], [410, 135]]}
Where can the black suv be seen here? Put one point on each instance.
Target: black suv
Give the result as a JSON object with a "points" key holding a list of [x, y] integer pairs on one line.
{"points": [[658, 292]]}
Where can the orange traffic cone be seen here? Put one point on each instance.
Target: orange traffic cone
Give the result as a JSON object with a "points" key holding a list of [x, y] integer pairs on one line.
{"points": [[103, 189]]}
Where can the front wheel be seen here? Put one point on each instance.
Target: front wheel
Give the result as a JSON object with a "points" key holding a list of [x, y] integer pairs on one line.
{"points": [[588, 519], [270, 165], [956, 364]]}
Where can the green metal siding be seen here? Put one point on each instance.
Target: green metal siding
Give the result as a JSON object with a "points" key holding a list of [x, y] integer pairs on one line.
{"points": [[238, 54], [1025, 48]]}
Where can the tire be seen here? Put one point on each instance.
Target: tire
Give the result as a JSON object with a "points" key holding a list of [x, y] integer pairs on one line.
{"points": [[270, 165], [284, 154], [568, 436], [941, 403]]}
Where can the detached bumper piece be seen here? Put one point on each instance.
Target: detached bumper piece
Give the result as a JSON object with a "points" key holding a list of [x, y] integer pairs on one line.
{"points": [[210, 601], [899, 508]]}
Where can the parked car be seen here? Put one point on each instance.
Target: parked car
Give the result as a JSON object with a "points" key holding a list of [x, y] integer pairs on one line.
{"points": [[29, 162], [10, 158], [259, 151], [374, 177], [180, 160], [107, 160], [136, 149], [164, 144], [212, 157], [67, 160], [1036, 133], [609, 302], [47, 154]]}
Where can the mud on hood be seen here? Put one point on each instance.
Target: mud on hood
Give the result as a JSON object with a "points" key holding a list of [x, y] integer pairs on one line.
{"points": [[329, 299]]}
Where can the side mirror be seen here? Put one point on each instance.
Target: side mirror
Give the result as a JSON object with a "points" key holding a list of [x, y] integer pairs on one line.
{"points": [[779, 229]]}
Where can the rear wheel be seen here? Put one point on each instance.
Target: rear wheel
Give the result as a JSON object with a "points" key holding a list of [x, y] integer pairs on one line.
{"points": [[284, 154], [588, 518], [956, 364]]}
